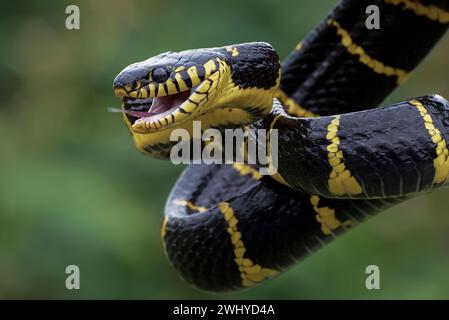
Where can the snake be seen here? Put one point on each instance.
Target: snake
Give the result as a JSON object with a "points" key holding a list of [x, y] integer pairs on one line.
{"points": [[342, 158]]}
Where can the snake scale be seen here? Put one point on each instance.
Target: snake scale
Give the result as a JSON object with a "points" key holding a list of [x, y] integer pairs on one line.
{"points": [[342, 159]]}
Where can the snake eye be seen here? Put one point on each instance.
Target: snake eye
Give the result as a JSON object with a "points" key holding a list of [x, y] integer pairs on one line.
{"points": [[160, 75]]}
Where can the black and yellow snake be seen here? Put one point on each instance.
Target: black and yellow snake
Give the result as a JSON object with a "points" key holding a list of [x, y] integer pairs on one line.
{"points": [[341, 160]]}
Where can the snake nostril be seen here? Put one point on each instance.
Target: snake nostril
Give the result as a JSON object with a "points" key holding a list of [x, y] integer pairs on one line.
{"points": [[160, 75]]}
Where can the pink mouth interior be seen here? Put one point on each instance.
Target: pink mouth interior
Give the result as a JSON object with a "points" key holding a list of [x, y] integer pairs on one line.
{"points": [[158, 106], [166, 103]]}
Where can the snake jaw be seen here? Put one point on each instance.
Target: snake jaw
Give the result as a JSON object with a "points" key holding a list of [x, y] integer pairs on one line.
{"points": [[159, 109], [171, 110], [175, 100]]}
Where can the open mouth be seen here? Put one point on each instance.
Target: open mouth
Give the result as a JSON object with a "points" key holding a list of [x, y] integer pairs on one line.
{"points": [[158, 97], [153, 109], [156, 113]]}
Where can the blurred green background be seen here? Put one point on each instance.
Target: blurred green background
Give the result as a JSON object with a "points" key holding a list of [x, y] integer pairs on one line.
{"points": [[74, 190]]}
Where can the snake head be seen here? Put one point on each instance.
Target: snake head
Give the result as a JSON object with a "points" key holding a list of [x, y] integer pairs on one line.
{"points": [[232, 85]]}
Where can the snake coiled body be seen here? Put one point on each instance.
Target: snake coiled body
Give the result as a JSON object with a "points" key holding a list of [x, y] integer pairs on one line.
{"points": [[341, 160]]}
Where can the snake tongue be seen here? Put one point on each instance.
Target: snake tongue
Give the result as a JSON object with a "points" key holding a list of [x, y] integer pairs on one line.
{"points": [[169, 102]]}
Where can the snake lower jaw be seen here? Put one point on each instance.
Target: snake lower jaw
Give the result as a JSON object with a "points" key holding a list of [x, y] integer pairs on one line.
{"points": [[154, 114], [171, 110], [158, 110]]}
